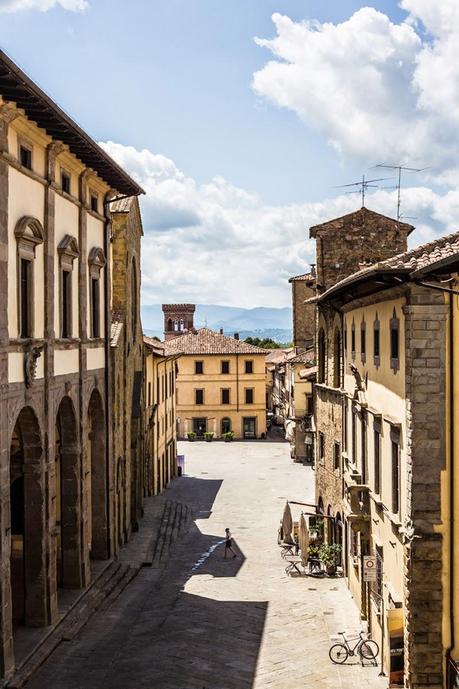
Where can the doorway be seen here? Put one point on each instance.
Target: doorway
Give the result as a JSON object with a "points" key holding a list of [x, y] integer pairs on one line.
{"points": [[249, 427], [200, 427]]}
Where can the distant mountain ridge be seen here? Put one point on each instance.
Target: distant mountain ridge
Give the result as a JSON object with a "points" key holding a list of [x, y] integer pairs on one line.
{"points": [[261, 321]]}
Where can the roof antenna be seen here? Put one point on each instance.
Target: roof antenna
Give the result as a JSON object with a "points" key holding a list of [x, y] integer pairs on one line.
{"points": [[363, 186], [399, 169]]}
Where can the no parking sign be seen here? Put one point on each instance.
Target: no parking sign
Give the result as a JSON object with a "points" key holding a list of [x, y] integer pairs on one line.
{"points": [[369, 568]]}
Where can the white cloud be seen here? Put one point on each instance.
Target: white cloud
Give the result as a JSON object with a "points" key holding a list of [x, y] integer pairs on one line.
{"points": [[221, 244], [42, 5], [375, 89]]}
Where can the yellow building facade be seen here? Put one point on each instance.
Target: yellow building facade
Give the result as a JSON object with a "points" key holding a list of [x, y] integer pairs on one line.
{"points": [[160, 416], [221, 385]]}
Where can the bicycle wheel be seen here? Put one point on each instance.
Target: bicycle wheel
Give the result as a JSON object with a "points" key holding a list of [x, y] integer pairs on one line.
{"points": [[369, 649], [338, 654]]}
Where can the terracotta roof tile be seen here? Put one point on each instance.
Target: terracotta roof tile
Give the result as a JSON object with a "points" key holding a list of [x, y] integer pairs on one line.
{"points": [[307, 357], [306, 277], [206, 341]]}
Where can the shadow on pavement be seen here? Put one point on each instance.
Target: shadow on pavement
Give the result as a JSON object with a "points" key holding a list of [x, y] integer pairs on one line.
{"points": [[159, 636]]}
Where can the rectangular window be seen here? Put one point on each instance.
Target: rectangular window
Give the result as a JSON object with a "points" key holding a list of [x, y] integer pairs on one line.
{"points": [[377, 466], [65, 181], [94, 203], [157, 390], [394, 343], [162, 388], [321, 447], [199, 396], [25, 156], [353, 340], [149, 394], [225, 367], [376, 343], [354, 437], [345, 426], [66, 298], [336, 456], [95, 316], [26, 297], [363, 445], [309, 404], [225, 396], [248, 366], [395, 476], [363, 341], [198, 367], [249, 395]]}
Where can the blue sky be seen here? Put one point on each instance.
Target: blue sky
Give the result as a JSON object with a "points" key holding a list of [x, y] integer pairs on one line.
{"points": [[176, 78]]}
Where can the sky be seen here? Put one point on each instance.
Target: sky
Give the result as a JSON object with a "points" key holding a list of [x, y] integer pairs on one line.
{"points": [[241, 119]]}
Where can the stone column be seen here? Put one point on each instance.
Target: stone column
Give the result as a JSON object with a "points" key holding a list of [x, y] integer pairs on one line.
{"points": [[426, 321]]}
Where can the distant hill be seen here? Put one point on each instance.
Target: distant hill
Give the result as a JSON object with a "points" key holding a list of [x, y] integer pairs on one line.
{"points": [[258, 322]]}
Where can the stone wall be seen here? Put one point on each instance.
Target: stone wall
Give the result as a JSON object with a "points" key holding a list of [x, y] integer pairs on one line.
{"points": [[426, 339], [303, 314]]}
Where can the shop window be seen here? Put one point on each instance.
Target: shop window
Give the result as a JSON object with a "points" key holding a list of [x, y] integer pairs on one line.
{"points": [[199, 396], [249, 395], [225, 396], [248, 366], [225, 367], [198, 368], [394, 342]]}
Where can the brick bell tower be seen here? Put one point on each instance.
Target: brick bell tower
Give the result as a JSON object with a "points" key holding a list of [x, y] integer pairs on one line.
{"points": [[178, 319]]}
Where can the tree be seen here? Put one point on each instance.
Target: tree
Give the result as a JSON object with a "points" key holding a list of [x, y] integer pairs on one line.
{"points": [[264, 343]]}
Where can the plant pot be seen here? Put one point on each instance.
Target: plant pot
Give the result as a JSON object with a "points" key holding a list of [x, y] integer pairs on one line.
{"points": [[330, 570]]}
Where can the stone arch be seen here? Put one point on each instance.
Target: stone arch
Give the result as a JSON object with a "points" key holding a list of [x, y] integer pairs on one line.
{"points": [[29, 228], [69, 567], [97, 479], [27, 532]]}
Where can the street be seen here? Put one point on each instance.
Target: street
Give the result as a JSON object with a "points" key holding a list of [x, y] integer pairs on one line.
{"points": [[206, 622]]}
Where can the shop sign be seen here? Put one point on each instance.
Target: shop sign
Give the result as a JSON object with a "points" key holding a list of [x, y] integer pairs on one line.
{"points": [[369, 568]]}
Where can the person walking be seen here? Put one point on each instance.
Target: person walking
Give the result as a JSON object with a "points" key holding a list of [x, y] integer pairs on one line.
{"points": [[229, 543]]}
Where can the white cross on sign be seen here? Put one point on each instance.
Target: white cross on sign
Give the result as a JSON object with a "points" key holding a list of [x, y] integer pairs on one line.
{"points": [[369, 568]]}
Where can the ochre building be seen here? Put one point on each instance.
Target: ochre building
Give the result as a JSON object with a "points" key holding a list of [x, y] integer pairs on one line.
{"points": [[160, 417], [58, 478], [221, 385]]}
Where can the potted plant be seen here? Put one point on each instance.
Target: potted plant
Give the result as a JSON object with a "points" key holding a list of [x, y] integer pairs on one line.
{"points": [[191, 436], [208, 436], [228, 437], [329, 554]]}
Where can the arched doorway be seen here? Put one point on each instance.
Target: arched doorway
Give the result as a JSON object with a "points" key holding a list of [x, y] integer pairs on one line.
{"points": [[27, 502], [68, 499], [97, 479]]}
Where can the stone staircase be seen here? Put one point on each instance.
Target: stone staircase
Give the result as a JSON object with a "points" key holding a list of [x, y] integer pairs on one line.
{"points": [[176, 518]]}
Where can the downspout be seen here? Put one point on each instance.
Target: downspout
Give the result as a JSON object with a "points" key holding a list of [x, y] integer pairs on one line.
{"points": [[107, 376]]}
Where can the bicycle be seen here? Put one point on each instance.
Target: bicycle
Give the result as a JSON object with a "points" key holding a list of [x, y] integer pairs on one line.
{"points": [[367, 649]]}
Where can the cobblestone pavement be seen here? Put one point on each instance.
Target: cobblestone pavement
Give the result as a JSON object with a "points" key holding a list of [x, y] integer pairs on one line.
{"points": [[205, 622]]}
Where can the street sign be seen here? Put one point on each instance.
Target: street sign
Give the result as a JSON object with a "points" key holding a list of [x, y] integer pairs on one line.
{"points": [[369, 568]]}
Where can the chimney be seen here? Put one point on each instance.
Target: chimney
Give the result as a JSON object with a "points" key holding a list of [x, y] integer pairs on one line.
{"points": [[221, 331], [236, 336], [313, 270]]}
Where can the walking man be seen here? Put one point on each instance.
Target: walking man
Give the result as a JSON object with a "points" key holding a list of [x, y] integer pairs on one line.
{"points": [[228, 543]]}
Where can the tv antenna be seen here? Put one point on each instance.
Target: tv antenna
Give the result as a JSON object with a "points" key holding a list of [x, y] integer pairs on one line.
{"points": [[363, 186], [399, 169]]}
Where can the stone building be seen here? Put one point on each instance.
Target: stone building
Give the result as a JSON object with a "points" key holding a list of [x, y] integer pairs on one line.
{"points": [[398, 389], [160, 416], [126, 349], [221, 385], [343, 245], [304, 314], [178, 319], [301, 370], [57, 478]]}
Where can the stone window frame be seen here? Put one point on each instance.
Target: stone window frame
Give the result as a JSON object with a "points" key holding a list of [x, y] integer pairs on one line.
{"points": [[68, 251], [96, 262], [363, 341], [376, 350], [377, 455], [23, 142], [394, 327], [29, 234], [222, 393], [353, 340]]}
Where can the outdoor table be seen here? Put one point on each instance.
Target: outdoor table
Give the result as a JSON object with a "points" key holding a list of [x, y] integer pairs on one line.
{"points": [[288, 549], [292, 566]]}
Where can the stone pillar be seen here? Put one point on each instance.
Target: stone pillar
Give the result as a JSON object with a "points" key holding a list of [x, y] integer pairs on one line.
{"points": [[426, 320]]}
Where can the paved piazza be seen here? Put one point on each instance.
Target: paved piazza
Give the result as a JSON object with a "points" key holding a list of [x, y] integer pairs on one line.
{"points": [[205, 622]]}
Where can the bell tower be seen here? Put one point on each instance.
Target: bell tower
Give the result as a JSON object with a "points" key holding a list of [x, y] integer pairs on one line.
{"points": [[178, 319]]}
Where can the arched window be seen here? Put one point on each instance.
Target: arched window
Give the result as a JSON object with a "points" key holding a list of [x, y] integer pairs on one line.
{"points": [[226, 425], [169, 325], [29, 234], [321, 355], [337, 359]]}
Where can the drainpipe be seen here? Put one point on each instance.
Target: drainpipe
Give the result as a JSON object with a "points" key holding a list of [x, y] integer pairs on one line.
{"points": [[108, 415]]}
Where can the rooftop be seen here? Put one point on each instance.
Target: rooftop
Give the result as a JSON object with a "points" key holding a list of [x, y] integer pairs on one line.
{"points": [[358, 216], [307, 357], [17, 87], [206, 341], [306, 277]]}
